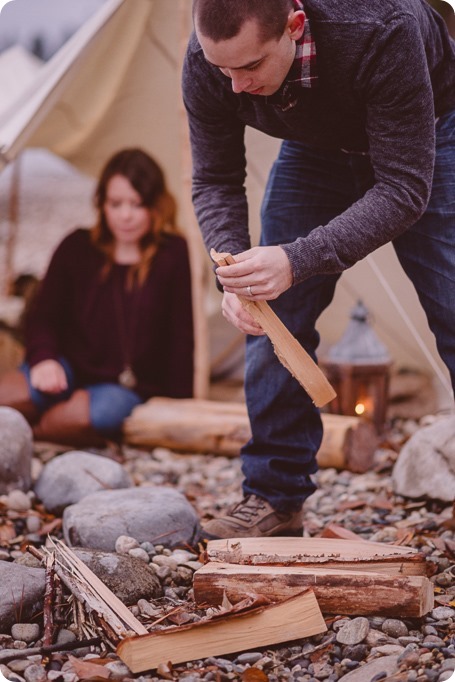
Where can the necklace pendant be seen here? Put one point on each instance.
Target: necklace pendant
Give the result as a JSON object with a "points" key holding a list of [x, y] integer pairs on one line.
{"points": [[127, 378]]}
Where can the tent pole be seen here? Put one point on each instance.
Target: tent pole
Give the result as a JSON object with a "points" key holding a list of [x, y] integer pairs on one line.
{"points": [[13, 223], [195, 245]]}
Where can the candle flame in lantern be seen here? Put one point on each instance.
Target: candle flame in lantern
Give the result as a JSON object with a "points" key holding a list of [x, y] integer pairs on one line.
{"points": [[360, 409]]}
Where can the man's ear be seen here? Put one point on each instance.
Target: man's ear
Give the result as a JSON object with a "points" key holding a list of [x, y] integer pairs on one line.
{"points": [[296, 23]]}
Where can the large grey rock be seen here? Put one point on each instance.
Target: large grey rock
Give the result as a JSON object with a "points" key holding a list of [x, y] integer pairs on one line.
{"points": [[128, 578], [149, 514], [21, 593], [69, 478], [426, 463], [16, 450]]}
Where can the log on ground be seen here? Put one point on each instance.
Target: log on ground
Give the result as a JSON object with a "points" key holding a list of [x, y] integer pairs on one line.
{"points": [[216, 427], [338, 591]]}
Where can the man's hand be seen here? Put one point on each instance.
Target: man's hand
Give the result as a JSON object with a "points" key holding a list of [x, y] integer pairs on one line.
{"points": [[238, 316], [48, 376], [261, 274]]}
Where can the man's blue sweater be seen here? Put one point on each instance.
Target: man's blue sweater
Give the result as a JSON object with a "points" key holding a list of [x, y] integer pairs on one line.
{"points": [[386, 73]]}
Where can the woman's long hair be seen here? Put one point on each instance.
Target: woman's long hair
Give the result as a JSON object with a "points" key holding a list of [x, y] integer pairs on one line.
{"points": [[147, 178]]}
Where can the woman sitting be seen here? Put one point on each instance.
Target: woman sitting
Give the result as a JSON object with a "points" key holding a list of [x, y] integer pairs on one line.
{"points": [[112, 322]]}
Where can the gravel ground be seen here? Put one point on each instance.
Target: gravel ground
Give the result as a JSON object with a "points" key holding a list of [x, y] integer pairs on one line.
{"points": [[363, 503]]}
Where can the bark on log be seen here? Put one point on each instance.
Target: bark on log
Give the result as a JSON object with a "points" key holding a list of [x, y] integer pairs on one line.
{"points": [[338, 591], [350, 555], [348, 443], [214, 427]]}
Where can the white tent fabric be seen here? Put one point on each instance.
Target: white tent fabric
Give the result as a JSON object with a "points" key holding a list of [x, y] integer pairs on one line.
{"points": [[92, 97], [18, 70], [116, 83]]}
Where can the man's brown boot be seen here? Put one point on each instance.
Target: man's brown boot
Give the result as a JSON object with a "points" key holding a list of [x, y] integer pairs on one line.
{"points": [[253, 517], [68, 423], [14, 392]]}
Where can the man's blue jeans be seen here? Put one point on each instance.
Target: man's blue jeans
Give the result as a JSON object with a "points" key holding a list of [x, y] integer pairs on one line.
{"points": [[307, 188]]}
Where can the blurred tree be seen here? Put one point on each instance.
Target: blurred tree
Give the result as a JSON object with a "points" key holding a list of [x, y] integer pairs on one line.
{"points": [[37, 47]]}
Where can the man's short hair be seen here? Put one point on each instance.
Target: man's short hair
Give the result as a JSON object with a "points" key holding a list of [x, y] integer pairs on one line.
{"points": [[223, 19]]}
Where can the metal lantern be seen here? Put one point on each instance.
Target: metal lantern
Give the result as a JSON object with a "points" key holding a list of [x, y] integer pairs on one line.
{"points": [[358, 367]]}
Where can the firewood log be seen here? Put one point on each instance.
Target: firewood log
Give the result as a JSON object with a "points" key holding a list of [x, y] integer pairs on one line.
{"points": [[215, 427], [338, 591]]}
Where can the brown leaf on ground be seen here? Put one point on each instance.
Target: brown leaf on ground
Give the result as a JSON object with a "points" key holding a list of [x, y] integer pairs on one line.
{"points": [[86, 670], [404, 536], [320, 657], [51, 527], [254, 675], [180, 617], [351, 504], [449, 524], [382, 503], [332, 530], [7, 532], [319, 663]]}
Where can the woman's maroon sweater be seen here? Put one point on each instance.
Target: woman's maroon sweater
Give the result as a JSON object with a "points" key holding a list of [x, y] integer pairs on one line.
{"points": [[98, 325]]}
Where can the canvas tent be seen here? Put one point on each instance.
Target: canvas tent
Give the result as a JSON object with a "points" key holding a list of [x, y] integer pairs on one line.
{"points": [[18, 70], [116, 83]]}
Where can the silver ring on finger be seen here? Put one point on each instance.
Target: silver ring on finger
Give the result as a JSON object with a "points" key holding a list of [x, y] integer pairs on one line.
{"points": [[250, 293]]}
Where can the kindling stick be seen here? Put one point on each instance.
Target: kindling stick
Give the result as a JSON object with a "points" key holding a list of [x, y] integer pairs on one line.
{"points": [[288, 350]]}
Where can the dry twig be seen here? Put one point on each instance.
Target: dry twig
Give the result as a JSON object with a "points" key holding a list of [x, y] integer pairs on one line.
{"points": [[49, 599]]}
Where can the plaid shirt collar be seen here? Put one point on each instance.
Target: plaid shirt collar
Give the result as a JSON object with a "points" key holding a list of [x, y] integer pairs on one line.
{"points": [[303, 71]]}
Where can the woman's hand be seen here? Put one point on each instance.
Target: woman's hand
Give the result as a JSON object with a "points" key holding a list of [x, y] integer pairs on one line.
{"points": [[261, 273], [48, 376], [235, 314]]}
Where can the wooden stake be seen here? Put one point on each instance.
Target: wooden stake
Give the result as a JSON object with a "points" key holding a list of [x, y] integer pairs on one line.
{"points": [[196, 248], [13, 227], [287, 349]]}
